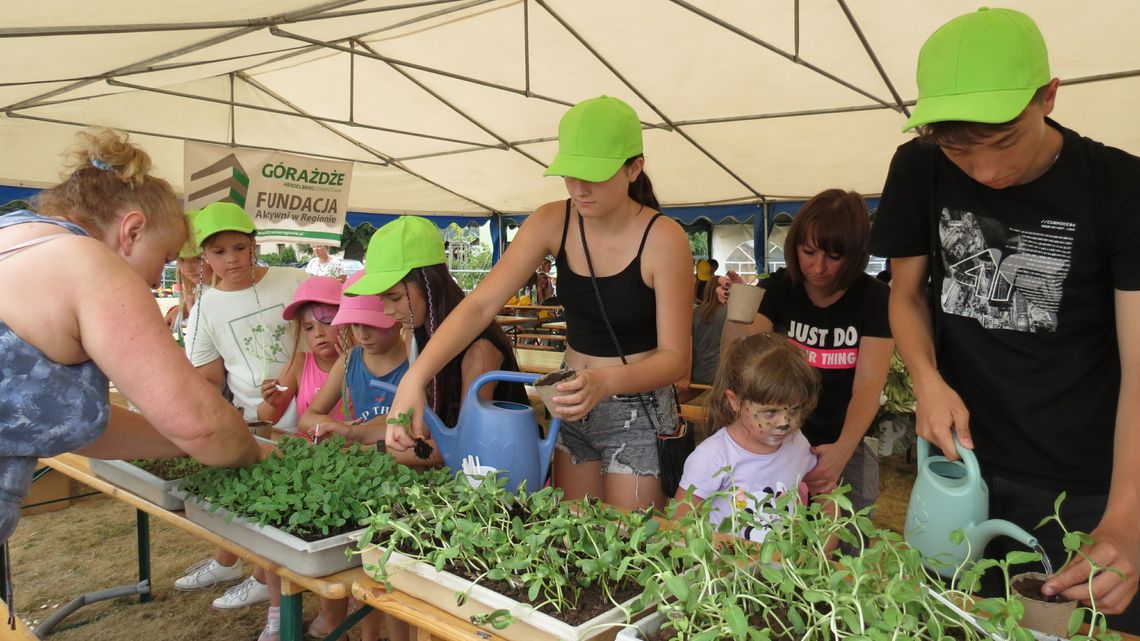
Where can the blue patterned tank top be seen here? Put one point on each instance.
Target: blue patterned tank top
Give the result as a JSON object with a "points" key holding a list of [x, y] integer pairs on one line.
{"points": [[46, 408]]}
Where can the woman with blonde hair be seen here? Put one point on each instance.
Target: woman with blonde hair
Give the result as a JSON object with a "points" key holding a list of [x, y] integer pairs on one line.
{"points": [[62, 340]]}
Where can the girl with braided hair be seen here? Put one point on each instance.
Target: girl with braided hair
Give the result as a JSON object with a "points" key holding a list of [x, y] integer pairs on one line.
{"points": [[406, 265]]}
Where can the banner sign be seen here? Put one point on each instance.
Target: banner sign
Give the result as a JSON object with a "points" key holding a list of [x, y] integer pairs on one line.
{"points": [[291, 198]]}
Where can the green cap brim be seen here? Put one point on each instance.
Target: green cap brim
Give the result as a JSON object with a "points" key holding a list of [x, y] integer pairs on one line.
{"points": [[373, 283], [991, 107], [588, 168]]}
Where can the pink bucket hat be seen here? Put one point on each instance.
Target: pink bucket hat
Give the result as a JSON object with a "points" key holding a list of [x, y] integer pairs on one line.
{"points": [[365, 310], [317, 289]]}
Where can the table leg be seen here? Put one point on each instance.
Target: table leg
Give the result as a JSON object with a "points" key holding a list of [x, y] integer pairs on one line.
{"points": [[142, 528], [291, 618], [350, 622]]}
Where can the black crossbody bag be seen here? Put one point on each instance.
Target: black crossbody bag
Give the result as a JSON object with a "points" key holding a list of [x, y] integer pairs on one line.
{"points": [[672, 449]]}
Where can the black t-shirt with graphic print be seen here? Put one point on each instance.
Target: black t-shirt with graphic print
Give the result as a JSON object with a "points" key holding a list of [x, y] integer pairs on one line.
{"points": [[1025, 316], [830, 336]]}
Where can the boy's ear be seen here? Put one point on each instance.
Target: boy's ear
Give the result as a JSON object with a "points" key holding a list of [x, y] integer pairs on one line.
{"points": [[733, 400]]}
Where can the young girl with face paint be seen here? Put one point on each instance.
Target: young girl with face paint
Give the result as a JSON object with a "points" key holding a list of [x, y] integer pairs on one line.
{"points": [[764, 390]]}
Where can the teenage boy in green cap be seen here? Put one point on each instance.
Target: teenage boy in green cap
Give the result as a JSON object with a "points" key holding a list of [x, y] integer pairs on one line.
{"points": [[1027, 346]]}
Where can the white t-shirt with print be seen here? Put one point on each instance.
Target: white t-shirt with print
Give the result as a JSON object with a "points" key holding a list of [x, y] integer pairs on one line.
{"points": [[763, 476], [245, 329], [333, 268]]}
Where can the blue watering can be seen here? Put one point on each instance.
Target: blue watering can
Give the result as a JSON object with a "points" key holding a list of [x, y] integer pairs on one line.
{"points": [[947, 496], [502, 434]]}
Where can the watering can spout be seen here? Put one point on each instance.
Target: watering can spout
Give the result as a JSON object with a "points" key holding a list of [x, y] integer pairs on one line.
{"points": [[983, 532], [445, 438]]}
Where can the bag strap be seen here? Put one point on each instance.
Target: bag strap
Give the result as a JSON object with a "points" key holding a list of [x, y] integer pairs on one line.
{"points": [[610, 327]]}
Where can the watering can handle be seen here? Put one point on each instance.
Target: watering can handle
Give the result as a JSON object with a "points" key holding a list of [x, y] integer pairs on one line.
{"points": [[922, 447], [496, 376]]}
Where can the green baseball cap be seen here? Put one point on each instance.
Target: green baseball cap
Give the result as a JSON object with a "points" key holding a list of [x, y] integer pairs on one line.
{"points": [[984, 67], [396, 249], [595, 138], [218, 217], [193, 245]]}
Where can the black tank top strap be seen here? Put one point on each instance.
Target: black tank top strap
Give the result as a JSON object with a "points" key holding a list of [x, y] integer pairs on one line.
{"points": [[565, 226], [645, 236]]}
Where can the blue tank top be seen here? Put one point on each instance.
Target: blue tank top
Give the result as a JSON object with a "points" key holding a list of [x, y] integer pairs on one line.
{"points": [[363, 402], [46, 408]]}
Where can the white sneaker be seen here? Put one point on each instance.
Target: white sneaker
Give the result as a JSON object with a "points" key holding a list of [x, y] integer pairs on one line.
{"points": [[207, 574], [271, 631], [247, 592]]}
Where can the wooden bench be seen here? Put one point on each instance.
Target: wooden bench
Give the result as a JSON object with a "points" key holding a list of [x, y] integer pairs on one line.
{"points": [[543, 337], [21, 633]]}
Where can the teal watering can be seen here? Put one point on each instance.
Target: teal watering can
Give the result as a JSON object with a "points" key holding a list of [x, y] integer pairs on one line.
{"points": [[503, 435], [947, 496]]}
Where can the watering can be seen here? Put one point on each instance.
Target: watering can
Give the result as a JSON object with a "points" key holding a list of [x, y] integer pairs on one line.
{"points": [[502, 434], [947, 496]]}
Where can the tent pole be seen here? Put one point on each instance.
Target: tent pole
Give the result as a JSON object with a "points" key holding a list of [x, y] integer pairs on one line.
{"points": [[776, 50], [761, 230], [225, 37], [874, 59], [669, 124], [285, 112], [456, 109], [395, 62]]}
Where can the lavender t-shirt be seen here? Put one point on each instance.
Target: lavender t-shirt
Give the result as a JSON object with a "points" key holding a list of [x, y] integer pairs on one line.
{"points": [[764, 476]]}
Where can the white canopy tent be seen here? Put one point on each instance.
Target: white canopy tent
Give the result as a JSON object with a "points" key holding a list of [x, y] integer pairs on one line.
{"points": [[451, 106]]}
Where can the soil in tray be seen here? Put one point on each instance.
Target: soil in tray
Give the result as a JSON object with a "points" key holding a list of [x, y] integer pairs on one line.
{"points": [[592, 601], [169, 469], [757, 622], [1030, 588]]}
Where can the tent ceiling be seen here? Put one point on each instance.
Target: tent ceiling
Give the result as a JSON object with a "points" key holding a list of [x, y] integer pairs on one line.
{"points": [[452, 105]]}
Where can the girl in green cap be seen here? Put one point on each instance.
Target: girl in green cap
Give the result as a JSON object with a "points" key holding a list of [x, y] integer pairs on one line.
{"points": [[236, 337], [193, 274], [407, 267], [625, 280], [62, 339]]}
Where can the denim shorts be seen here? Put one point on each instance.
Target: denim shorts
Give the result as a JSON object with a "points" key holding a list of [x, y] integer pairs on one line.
{"points": [[619, 433]]}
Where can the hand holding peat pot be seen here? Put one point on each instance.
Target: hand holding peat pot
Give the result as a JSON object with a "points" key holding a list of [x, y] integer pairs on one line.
{"points": [[1048, 614], [547, 385]]}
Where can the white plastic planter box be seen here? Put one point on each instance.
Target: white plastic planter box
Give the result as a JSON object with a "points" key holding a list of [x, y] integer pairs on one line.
{"points": [[307, 558], [424, 582], [138, 481], [643, 629]]}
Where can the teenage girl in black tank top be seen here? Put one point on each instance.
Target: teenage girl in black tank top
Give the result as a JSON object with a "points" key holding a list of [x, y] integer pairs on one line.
{"points": [[643, 272]]}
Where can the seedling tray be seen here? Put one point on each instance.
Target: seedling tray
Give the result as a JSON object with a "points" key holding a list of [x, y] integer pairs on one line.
{"points": [[424, 582], [307, 558], [138, 481], [644, 628]]}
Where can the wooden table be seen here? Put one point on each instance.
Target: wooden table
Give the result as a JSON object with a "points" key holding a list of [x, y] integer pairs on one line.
{"points": [[335, 586], [430, 622], [538, 361], [514, 320]]}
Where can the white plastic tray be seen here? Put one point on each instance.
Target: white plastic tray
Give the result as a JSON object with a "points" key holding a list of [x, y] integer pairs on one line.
{"points": [[138, 481], [307, 558], [424, 582]]}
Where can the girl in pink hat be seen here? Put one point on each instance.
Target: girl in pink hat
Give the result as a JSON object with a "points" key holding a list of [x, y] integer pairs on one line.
{"points": [[380, 354], [347, 405], [312, 311]]}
